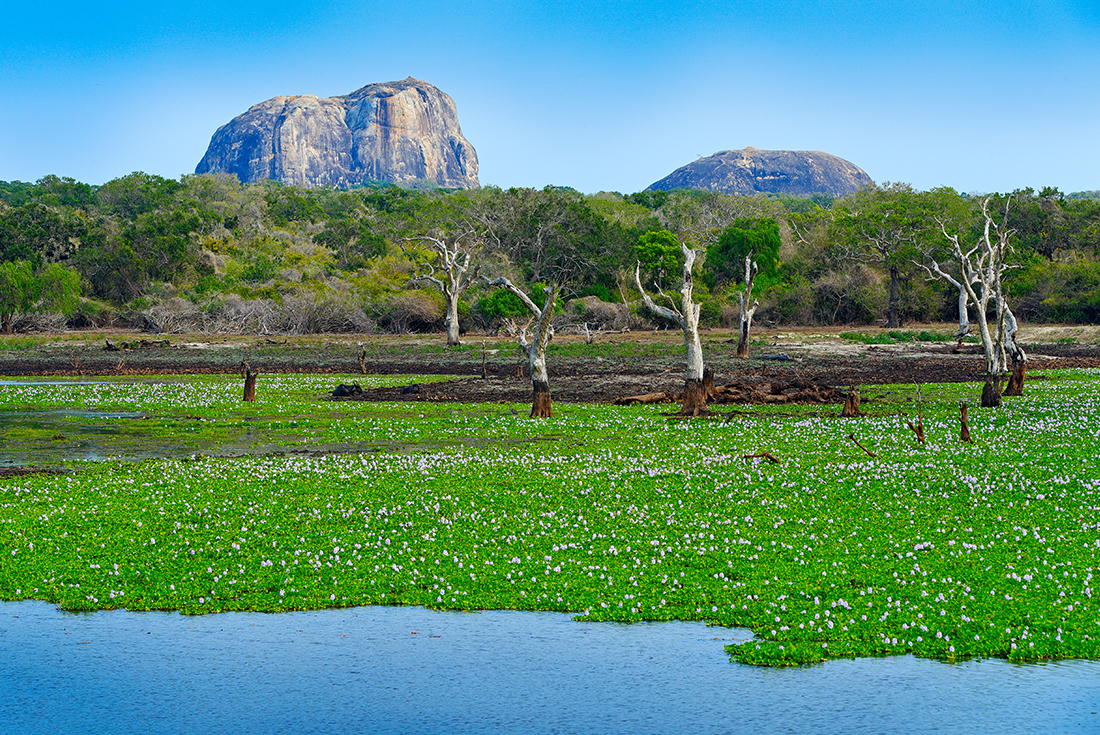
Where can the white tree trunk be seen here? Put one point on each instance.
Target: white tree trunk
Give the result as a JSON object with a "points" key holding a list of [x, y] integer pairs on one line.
{"points": [[454, 257], [536, 348], [984, 264], [453, 329], [687, 317], [964, 319], [746, 311]]}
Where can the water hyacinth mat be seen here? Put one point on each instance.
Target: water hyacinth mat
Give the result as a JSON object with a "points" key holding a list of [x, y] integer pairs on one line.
{"points": [[946, 550]]}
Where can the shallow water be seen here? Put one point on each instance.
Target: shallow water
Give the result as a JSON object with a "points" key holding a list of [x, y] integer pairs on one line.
{"points": [[411, 670]]}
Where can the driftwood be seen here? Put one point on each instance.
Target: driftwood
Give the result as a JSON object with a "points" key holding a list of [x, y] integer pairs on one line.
{"points": [[762, 455], [964, 430], [140, 344], [865, 449], [742, 392], [645, 398], [918, 429]]}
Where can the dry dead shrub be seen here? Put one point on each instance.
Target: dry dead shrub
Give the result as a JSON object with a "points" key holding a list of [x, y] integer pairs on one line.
{"points": [[172, 316], [855, 295], [600, 315], [239, 316], [213, 261], [411, 311], [327, 312], [45, 323], [729, 316]]}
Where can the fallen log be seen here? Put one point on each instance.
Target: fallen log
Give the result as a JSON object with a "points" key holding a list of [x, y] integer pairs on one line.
{"points": [[644, 398]]}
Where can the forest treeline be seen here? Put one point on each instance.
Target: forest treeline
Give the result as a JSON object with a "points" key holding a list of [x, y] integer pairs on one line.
{"points": [[206, 253]]}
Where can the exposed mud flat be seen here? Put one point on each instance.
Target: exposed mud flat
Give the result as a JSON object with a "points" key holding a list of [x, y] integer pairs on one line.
{"points": [[616, 365]]}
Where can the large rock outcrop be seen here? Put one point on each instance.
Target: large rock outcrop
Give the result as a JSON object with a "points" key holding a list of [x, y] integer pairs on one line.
{"points": [[400, 132], [751, 171]]}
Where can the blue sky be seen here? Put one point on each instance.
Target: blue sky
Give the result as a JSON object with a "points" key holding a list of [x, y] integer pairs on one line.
{"points": [[598, 95]]}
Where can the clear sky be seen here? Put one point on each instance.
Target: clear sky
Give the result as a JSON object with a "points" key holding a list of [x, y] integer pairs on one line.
{"points": [[597, 95]]}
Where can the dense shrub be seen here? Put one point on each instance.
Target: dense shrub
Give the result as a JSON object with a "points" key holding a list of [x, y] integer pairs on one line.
{"points": [[1057, 291]]}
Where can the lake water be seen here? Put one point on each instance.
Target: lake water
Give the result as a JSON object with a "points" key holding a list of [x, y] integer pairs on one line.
{"points": [[411, 670]]}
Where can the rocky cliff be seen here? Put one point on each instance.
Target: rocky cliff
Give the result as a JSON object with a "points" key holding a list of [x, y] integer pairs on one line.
{"points": [[400, 132], [749, 171]]}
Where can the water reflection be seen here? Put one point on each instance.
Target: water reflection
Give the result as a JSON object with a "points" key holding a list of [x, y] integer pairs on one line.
{"points": [[403, 670]]}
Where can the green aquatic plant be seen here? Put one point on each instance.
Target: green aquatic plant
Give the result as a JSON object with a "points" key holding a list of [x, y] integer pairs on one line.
{"points": [[945, 550]]}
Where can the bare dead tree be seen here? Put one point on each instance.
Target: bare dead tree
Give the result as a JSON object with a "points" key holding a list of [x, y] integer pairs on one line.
{"points": [[983, 265], [936, 272], [746, 310], [541, 404], [457, 271], [556, 235], [687, 317]]}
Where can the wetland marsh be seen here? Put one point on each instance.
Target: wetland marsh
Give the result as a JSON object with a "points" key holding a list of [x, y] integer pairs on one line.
{"points": [[946, 551]]}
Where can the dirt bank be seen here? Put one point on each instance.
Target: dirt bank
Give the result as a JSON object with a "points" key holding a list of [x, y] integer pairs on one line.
{"points": [[616, 365]]}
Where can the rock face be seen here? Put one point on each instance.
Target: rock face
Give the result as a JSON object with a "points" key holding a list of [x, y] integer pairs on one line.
{"points": [[750, 171], [400, 132]]}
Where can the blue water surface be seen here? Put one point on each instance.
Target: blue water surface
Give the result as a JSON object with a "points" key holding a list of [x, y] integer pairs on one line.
{"points": [[412, 670]]}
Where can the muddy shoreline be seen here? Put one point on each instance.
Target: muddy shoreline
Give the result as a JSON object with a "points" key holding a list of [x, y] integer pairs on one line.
{"points": [[617, 365]]}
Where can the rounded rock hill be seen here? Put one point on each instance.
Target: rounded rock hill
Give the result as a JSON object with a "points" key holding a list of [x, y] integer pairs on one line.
{"points": [[752, 171]]}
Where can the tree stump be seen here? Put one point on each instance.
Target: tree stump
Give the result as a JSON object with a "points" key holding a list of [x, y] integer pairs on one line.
{"points": [[541, 405], [249, 381], [851, 405], [694, 400], [1015, 385], [708, 383], [991, 393], [964, 431]]}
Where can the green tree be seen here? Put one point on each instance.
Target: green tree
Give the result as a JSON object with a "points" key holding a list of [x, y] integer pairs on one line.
{"points": [[758, 236], [887, 226], [353, 240], [558, 240], [165, 240], [135, 194], [658, 253], [23, 290]]}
